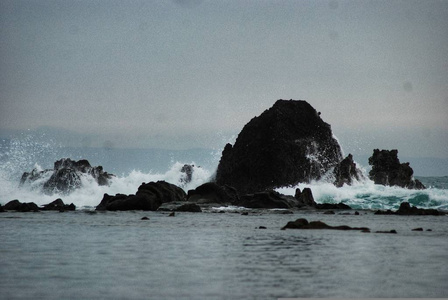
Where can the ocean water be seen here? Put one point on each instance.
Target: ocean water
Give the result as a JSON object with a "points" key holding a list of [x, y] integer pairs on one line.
{"points": [[218, 254], [116, 255]]}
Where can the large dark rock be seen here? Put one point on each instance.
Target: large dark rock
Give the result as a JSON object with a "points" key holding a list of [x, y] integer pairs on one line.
{"points": [[287, 144], [65, 176], [387, 170], [305, 198], [269, 200], [346, 171], [150, 196], [213, 193]]}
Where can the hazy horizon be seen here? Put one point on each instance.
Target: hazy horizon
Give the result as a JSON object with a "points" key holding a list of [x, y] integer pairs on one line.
{"points": [[191, 74]]}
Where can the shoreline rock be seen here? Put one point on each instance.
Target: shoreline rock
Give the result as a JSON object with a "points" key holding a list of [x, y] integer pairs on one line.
{"points": [[406, 209]]}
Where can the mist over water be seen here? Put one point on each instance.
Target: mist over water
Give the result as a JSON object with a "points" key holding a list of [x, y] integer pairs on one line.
{"points": [[132, 167]]}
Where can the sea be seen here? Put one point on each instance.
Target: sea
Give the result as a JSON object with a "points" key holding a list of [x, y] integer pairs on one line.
{"points": [[226, 252]]}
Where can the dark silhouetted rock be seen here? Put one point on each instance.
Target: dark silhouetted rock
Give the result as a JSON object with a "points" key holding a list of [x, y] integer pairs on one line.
{"points": [[59, 205], [2, 209], [269, 200], [287, 144], [304, 224], [393, 231], [305, 198], [21, 207], [417, 229], [66, 176], [332, 206], [407, 210], [187, 174], [150, 196], [213, 193], [387, 170], [144, 219], [189, 207], [346, 171]]}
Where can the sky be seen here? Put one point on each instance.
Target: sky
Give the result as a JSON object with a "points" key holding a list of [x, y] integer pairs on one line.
{"points": [[191, 74]]}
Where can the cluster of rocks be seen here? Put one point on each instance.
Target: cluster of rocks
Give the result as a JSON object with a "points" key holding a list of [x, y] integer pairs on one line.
{"points": [[286, 145], [65, 176], [56, 205], [406, 209]]}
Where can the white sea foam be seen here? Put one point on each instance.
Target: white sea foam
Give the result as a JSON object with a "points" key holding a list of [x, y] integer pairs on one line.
{"points": [[90, 193]]}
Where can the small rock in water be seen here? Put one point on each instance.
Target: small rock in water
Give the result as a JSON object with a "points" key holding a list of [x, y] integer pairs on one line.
{"points": [[417, 229], [144, 218], [173, 214], [244, 213], [262, 227], [390, 231], [356, 213], [329, 212], [429, 229]]}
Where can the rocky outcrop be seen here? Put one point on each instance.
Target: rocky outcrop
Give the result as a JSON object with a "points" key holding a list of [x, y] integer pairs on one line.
{"points": [[287, 144], [65, 176], [387, 170], [21, 207], [346, 172], [304, 224], [305, 198], [150, 196], [268, 200], [58, 205], [406, 209], [213, 193], [189, 207]]}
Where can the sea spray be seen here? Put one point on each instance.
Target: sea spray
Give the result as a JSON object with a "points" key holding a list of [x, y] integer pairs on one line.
{"points": [[90, 193]]}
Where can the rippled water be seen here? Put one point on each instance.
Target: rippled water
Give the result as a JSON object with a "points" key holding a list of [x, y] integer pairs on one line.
{"points": [[115, 255]]}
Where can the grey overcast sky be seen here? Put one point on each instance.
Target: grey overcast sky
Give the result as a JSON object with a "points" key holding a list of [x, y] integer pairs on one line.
{"points": [[185, 74]]}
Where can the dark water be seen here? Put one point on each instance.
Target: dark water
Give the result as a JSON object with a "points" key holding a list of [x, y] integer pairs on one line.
{"points": [[115, 255]]}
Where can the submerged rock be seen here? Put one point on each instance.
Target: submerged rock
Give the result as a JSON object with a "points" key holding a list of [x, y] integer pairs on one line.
{"points": [[387, 170], [406, 209], [65, 176], [304, 224], [59, 205], [287, 144], [150, 196]]}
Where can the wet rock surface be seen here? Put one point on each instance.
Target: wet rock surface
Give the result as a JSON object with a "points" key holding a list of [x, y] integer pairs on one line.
{"points": [[387, 170], [287, 144], [65, 176], [150, 196]]}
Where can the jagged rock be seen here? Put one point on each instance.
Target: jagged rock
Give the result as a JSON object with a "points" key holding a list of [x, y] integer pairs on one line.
{"points": [[387, 170], [304, 224], [66, 176], [213, 193], [59, 205], [346, 171], [150, 196], [287, 144], [21, 207], [187, 174], [305, 198], [189, 207], [269, 200]]}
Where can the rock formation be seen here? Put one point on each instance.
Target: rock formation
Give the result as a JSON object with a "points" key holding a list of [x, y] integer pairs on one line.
{"points": [[304, 224], [150, 196], [213, 193], [346, 171], [287, 144], [65, 177], [387, 170], [406, 209]]}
